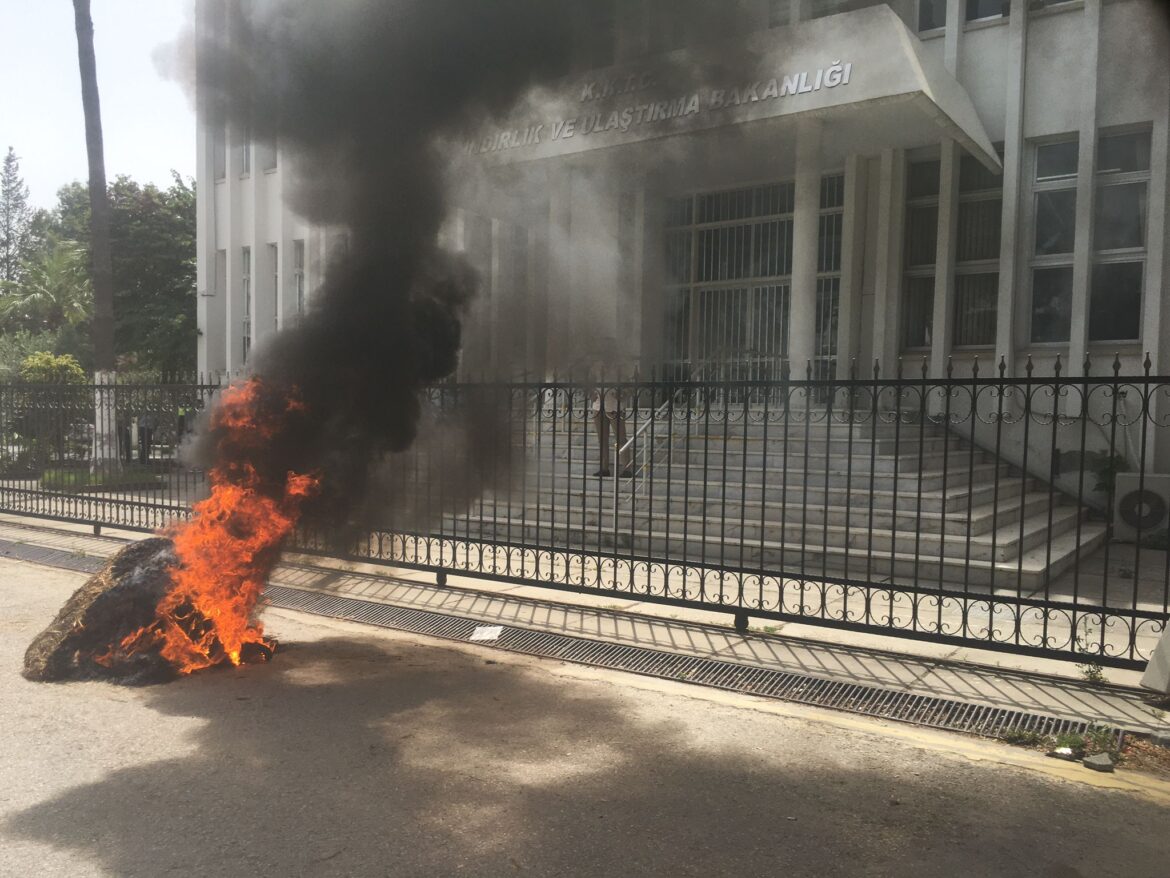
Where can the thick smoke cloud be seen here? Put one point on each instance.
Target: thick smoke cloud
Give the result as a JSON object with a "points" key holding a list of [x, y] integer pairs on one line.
{"points": [[363, 97]]}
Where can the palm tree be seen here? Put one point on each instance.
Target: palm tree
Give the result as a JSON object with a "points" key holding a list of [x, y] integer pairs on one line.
{"points": [[105, 446], [101, 267], [54, 290]]}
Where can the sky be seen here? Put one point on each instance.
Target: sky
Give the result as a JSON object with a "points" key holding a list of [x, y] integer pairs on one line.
{"points": [[148, 120]]}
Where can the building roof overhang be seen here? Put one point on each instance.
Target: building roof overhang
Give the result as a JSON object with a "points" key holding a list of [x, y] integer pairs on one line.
{"points": [[863, 73]]}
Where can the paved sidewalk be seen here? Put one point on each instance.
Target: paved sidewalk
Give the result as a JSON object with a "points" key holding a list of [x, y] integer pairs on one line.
{"points": [[366, 752], [1015, 688]]}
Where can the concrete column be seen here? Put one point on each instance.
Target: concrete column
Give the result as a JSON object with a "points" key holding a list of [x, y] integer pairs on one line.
{"points": [[211, 314], [536, 307], [953, 36], [592, 252], [266, 231], [630, 309], [495, 329], [1078, 341], [1011, 270], [1157, 278], [852, 264], [888, 269], [653, 273], [944, 259], [235, 238], [802, 294], [558, 268]]}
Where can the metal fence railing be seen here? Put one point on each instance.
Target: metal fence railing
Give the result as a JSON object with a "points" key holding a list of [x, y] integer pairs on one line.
{"points": [[1023, 514]]}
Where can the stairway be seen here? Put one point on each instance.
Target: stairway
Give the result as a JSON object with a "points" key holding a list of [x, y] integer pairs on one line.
{"points": [[904, 503]]}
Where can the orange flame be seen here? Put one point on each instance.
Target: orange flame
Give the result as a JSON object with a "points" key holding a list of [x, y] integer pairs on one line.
{"points": [[227, 550]]}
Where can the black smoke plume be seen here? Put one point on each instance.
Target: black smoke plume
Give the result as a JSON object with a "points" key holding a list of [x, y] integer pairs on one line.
{"points": [[364, 98]]}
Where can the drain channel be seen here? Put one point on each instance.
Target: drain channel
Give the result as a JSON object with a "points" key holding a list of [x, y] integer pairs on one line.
{"points": [[908, 707], [891, 704]]}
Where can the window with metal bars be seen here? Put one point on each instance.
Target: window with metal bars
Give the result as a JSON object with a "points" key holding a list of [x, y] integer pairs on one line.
{"points": [[299, 275], [1054, 202], [728, 260], [830, 223], [274, 267], [779, 13], [246, 295], [1119, 236], [977, 255], [598, 34], [922, 181]]}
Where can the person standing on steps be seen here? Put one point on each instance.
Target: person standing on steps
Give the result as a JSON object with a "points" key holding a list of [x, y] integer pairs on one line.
{"points": [[605, 405]]}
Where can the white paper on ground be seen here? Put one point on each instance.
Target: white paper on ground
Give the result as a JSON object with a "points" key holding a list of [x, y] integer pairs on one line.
{"points": [[487, 632]]}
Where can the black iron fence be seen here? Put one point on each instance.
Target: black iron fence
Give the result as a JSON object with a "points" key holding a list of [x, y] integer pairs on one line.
{"points": [[1023, 514]]}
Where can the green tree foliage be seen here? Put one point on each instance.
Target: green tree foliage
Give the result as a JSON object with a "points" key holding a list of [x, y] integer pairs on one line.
{"points": [[153, 236], [53, 292], [16, 345], [16, 219], [45, 368]]}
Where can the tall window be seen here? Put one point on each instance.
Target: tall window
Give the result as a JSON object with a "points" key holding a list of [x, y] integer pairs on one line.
{"points": [[932, 14], [274, 266], [599, 34], [1054, 208], [977, 254], [246, 291], [824, 8], [779, 13], [299, 275], [977, 10], [221, 274], [1119, 237], [666, 26], [728, 267], [246, 152], [830, 225], [269, 156], [921, 244], [219, 149]]}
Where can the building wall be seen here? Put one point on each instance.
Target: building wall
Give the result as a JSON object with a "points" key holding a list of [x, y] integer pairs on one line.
{"points": [[590, 235]]}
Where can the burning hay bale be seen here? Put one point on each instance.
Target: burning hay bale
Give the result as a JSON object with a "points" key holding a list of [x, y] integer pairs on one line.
{"points": [[115, 626], [116, 602], [177, 604]]}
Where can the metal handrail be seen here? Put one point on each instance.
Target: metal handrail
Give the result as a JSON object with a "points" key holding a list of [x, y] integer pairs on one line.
{"points": [[648, 450]]}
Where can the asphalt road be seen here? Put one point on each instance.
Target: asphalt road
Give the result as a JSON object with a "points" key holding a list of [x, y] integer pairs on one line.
{"points": [[363, 753]]}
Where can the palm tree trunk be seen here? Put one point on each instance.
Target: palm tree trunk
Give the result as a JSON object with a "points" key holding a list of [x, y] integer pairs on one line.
{"points": [[101, 267], [99, 204]]}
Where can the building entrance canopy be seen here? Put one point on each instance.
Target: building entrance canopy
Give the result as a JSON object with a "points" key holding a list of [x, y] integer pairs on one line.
{"points": [[862, 72]]}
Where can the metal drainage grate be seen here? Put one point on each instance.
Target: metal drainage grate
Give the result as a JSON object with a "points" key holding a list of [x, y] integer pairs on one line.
{"points": [[922, 710], [51, 557]]}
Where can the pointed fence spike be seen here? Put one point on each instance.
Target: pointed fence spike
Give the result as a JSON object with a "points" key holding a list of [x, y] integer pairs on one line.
{"points": [[877, 369], [950, 366], [975, 367], [1028, 366], [853, 368], [1002, 366], [925, 366], [1116, 363], [1087, 366], [1148, 364], [1057, 366]]}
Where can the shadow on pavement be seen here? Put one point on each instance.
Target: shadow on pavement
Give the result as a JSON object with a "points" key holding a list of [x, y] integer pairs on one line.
{"points": [[352, 757]]}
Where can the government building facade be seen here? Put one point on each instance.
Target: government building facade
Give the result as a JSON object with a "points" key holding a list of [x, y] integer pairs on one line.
{"points": [[930, 180]]}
